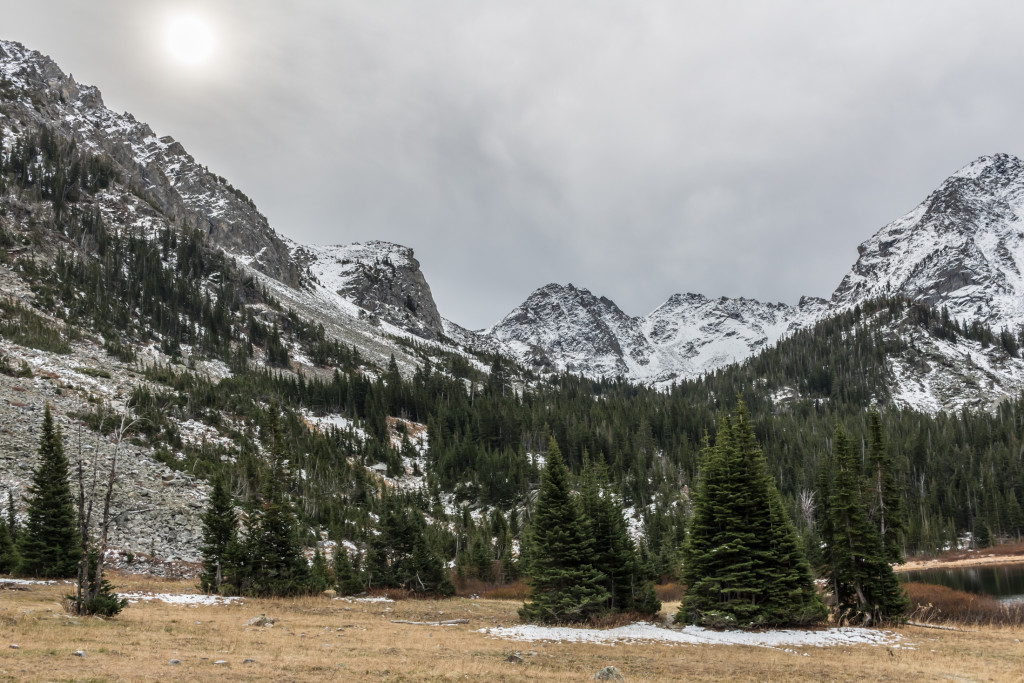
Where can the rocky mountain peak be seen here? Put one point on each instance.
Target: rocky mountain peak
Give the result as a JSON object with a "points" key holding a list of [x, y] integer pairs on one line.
{"points": [[382, 278], [962, 247], [37, 93]]}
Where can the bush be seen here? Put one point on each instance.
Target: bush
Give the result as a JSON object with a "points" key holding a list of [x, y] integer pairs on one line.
{"points": [[930, 603]]}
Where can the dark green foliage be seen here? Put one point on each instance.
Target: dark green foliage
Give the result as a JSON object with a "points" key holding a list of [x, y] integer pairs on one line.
{"points": [[220, 531], [348, 581], [104, 600], [320, 578], [564, 584], [8, 553], [400, 556], [615, 555], [886, 507], [743, 564], [276, 566], [862, 582], [48, 544], [24, 326]]}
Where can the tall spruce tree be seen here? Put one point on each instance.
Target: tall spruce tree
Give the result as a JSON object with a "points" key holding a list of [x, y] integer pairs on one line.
{"points": [[886, 506], [743, 564], [615, 554], [399, 555], [8, 554], [859, 575], [274, 553], [220, 530], [49, 544], [565, 586]]}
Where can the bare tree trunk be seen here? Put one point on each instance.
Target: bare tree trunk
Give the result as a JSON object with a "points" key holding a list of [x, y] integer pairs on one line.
{"points": [[120, 432]]}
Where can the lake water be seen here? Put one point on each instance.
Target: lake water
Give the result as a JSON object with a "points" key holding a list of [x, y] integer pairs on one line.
{"points": [[1004, 581]]}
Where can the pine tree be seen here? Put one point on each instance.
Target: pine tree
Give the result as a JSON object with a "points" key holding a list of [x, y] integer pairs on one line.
{"points": [[320, 578], [887, 505], [220, 530], [743, 564], [8, 553], [564, 584], [274, 553], [615, 553], [49, 543], [861, 579], [400, 557], [348, 581]]}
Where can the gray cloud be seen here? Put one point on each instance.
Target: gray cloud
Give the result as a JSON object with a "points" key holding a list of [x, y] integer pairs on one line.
{"points": [[634, 148]]}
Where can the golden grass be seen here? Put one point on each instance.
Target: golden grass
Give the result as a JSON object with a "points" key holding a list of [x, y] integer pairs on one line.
{"points": [[931, 603], [306, 645]]}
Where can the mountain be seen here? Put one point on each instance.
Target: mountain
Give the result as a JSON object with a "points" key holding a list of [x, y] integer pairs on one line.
{"points": [[961, 249], [566, 329], [137, 282]]}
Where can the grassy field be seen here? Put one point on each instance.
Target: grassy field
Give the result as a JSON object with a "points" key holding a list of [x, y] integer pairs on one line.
{"points": [[317, 639]]}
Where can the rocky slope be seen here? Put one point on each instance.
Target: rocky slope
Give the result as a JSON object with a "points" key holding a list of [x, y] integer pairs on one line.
{"points": [[961, 248]]}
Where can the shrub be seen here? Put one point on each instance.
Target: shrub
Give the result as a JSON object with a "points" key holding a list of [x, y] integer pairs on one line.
{"points": [[933, 603]]}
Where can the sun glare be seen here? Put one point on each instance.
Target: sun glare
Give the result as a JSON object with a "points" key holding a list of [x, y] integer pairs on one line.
{"points": [[189, 40]]}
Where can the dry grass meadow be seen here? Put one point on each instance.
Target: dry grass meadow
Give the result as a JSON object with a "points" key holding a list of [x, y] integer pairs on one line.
{"points": [[320, 639]]}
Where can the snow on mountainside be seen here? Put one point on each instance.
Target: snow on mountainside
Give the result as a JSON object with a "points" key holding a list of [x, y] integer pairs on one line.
{"points": [[379, 277], [36, 92], [570, 329], [962, 247]]}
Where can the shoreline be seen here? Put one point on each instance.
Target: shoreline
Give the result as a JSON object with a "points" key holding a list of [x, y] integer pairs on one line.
{"points": [[981, 558]]}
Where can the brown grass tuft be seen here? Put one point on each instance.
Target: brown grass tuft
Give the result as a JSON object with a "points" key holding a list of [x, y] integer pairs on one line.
{"points": [[670, 592], [933, 603], [510, 591]]}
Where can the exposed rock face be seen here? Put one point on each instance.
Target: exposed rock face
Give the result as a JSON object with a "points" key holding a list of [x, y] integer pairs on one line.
{"points": [[962, 247], [156, 512], [158, 169], [570, 329], [381, 278]]}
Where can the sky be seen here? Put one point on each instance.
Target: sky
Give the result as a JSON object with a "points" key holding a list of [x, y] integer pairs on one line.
{"points": [[634, 148]]}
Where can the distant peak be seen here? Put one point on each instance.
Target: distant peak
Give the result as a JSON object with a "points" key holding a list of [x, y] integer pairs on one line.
{"points": [[991, 164]]}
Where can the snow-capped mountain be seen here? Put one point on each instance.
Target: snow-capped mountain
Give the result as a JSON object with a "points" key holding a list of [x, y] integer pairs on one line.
{"points": [[572, 330], [962, 248], [380, 278]]}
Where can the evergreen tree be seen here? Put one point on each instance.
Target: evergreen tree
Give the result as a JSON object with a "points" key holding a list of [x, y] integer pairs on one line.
{"points": [[220, 530], [564, 584], [399, 556], [743, 564], [862, 581], [12, 519], [348, 581], [320, 578], [49, 543], [615, 555], [886, 505], [8, 553], [274, 552]]}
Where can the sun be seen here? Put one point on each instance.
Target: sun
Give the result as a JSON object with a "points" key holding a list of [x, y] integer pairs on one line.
{"points": [[189, 40]]}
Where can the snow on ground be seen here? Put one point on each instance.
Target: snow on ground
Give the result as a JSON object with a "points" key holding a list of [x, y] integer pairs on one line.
{"points": [[191, 599], [372, 598], [641, 632]]}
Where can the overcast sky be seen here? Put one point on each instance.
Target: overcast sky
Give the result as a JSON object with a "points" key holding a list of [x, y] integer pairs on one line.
{"points": [[634, 148]]}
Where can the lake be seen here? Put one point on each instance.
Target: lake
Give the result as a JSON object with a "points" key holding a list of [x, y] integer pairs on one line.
{"points": [[1003, 581]]}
